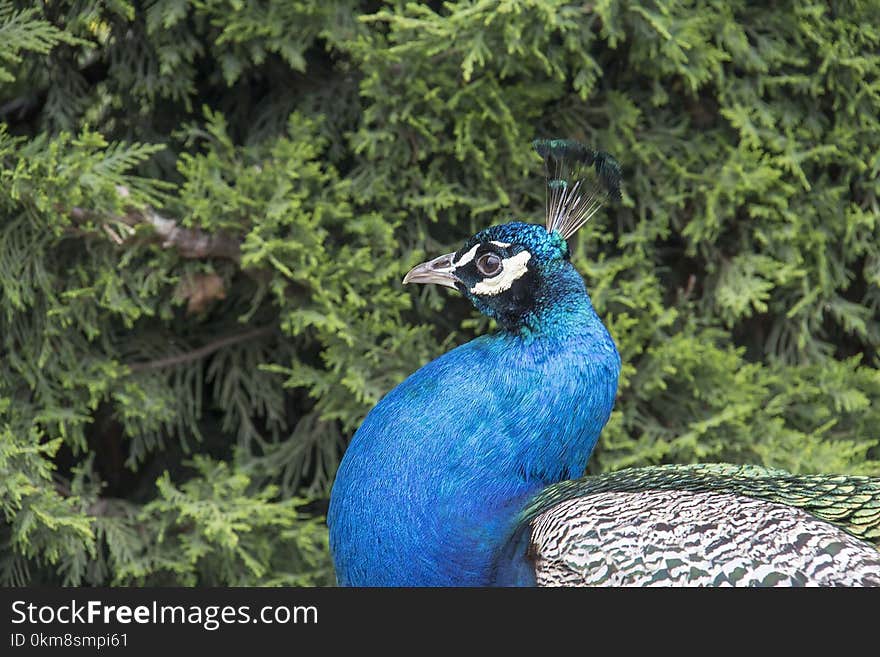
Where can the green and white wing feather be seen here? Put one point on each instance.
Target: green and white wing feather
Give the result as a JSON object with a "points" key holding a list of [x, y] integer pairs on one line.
{"points": [[707, 525]]}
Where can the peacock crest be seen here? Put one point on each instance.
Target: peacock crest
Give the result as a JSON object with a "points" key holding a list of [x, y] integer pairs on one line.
{"points": [[580, 180]]}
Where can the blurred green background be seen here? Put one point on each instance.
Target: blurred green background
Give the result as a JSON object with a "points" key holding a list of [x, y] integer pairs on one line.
{"points": [[206, 208]]}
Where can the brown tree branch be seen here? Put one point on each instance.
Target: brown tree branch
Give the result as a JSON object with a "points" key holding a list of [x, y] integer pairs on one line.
{"points": [[201, 352], [190, 242]]}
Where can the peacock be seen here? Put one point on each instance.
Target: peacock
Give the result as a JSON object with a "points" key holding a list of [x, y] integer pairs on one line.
{"points": [[470, 471]]}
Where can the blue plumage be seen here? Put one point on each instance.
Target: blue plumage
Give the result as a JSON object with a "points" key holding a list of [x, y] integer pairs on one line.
{"points": [[430, 488]]}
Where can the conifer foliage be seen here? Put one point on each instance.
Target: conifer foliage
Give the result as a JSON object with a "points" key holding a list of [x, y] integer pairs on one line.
{"points": [[206, 207]]}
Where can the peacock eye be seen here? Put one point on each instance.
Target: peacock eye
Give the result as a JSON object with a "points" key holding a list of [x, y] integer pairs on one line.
{"points": [[489, 264]]}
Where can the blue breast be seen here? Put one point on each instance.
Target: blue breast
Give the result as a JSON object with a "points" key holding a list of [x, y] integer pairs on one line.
{"points": [[430, 486]]}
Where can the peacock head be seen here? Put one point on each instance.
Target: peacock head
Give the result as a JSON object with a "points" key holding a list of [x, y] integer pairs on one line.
{"points": [[517, 272]]}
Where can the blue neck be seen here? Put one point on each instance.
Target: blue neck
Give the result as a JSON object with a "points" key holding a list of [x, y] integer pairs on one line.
{"points": [[430, 487], [559, 308]]}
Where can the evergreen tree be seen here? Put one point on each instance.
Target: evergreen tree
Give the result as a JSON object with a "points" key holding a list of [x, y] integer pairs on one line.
{"points": [[206, 207]]}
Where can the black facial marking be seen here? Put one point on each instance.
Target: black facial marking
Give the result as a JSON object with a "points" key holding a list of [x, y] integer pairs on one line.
{"points": [[480, 267], [546, 277], [510, 306], [514, 303]]}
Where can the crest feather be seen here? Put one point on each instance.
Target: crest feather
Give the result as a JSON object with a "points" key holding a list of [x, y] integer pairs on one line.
{"points": [[580, 180]]}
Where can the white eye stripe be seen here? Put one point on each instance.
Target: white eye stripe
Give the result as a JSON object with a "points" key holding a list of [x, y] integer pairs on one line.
{"points": [[471, 254], [467, 257], [512, 268]]}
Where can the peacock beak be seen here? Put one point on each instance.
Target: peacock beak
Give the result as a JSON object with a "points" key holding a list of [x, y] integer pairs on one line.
{"points": [[438, 271]]}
